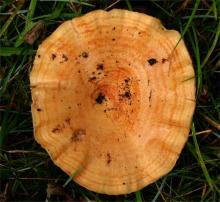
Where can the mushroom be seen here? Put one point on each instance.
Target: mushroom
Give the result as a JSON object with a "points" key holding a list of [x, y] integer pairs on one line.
{"points": [[113, 98]]}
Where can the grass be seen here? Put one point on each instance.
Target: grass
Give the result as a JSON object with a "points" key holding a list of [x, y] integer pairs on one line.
{"points": [[26, 171]]}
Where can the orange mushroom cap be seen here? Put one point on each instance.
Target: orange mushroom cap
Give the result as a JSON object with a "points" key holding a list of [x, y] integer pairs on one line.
{"points": [[113, 97]]}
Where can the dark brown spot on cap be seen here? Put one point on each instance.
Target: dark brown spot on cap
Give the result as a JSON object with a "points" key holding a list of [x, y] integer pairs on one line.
{"points": [[68, 121], [65, 58], [127, 94], [85, 54], [127, 80], [92, 78], [53, 56], [39, 109], [164, 60], [109, 159], [100, 67], [152, 61], [100, 98], [150, 97], [57, 129]]}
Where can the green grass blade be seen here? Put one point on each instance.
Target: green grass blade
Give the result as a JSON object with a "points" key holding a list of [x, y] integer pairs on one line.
{"points": [[83, 3], [57, 11], [195, 45], [198, 63], [129, 5], [29, 23], [9, 51], [191, 18], [215, 12], [75, 173], [188, 22], [9, 21], [21, 36], [217, 34], [138, 196], [31, 10], [161, 8], [200, 158]]}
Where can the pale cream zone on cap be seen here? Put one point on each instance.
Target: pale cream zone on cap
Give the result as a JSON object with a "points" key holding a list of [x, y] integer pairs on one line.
{"points": [[112, 97]]}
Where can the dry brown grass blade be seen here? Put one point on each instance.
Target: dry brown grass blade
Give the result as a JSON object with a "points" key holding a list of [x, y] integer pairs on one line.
{"points": [[211, 122]]}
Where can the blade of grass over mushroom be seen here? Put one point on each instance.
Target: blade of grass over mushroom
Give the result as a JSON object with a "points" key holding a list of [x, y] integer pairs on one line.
{"points": [[188, 22], [217, 35], [200, 158], [195, 45], [138, 196], [129, 5], [75, 173]]}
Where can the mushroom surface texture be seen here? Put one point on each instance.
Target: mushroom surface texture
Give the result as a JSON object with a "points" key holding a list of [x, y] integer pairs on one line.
{"points": [[113, 98]]}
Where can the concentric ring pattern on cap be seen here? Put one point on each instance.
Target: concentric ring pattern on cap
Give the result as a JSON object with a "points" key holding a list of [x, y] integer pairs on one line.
{"points": [[113, 98]]}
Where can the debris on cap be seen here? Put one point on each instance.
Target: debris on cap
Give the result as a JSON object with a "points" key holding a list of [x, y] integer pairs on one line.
{"points": [[113, 94]]}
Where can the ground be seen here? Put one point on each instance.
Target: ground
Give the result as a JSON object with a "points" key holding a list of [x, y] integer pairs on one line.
{"points": [[26, 171]]}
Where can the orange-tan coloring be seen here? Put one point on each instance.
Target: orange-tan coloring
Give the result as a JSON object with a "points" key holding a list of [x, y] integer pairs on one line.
{"points": [[113, 94]]}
